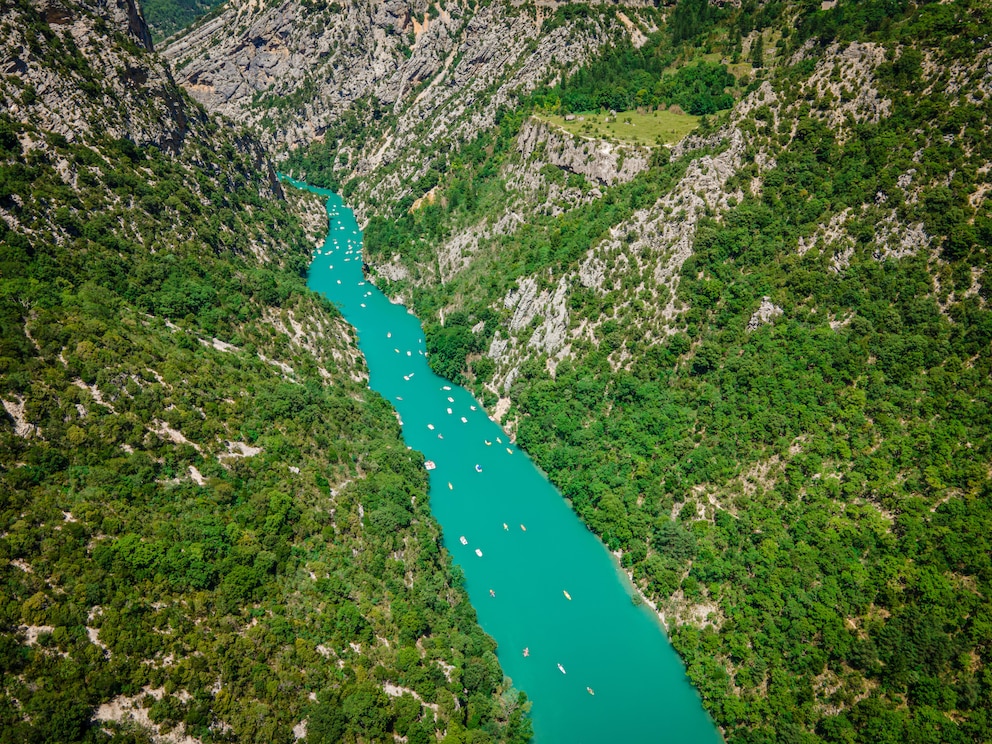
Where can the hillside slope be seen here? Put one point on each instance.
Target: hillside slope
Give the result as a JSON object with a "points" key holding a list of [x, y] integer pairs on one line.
{"points": [[210, 529]]}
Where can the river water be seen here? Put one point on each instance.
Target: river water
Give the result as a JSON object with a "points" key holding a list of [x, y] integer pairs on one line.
{"points": [[596, 667]]}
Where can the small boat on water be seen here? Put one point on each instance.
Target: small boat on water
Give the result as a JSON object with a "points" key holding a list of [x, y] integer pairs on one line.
{"points": [[389, 334], [526, 651], [492, 593], [590, 691], [504, 526], [463, 540], [523, 528], [509, 451], [363, 304], [409, 354], [561, 669], [449, 410], [488, 443], [567, 595], [478, 552], [446, 387], [406, 377], [396, 350], [478, 468], [430, 464], [399, 397], [499, 440], [450, 487], [464, 420], [440, 436], [430, 426], [450, 399]]}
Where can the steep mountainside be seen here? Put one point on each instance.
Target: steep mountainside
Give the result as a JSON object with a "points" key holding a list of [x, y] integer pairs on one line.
{"points": [[427, 78], [757, 361], [210, 529]]}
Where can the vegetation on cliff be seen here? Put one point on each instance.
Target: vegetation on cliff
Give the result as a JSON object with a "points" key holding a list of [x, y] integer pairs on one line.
{"points": [[209, 525]]}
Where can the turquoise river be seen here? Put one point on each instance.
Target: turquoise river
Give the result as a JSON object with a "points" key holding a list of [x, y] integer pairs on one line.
{"points": [[539, 580]]}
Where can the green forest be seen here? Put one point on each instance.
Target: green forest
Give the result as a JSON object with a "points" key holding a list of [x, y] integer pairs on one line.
{"points": [[818, 483], [166, 17], [209, 525]]}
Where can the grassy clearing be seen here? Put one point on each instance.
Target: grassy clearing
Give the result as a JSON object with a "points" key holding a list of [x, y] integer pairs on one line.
{"points": [[654, 128]]}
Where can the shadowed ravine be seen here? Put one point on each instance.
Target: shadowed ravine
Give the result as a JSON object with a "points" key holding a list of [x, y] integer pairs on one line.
{"points": [[543, 582]]}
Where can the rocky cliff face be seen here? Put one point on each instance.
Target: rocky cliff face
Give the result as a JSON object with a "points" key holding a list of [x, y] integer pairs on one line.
{"points": [[74, 85], [417, 81]]}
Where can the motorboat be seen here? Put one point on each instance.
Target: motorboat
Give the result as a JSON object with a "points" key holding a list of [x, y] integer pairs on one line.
{"points": [[430, 464], [478, 468], [561, 669], [567, 595], [478, 552], [463, 540]]}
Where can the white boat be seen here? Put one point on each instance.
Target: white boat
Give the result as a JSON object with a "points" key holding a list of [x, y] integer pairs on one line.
{"points": [[561, 669], [363, 304], [446, 387], [450, 487], [450, 399], [406, 377], [430, 464], [464, 420], [478, 468], [449, 410], [478, 552], [499, 440], [463, 540], [430, 426], [473, 408], [567, 595], [409, 354], [509, 451], [389, 334]]}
